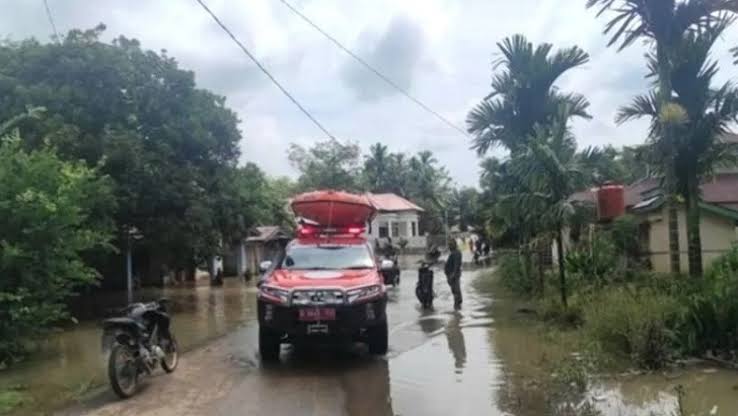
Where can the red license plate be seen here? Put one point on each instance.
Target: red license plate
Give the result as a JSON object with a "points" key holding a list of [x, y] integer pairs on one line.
{"points": [[318, 314]]}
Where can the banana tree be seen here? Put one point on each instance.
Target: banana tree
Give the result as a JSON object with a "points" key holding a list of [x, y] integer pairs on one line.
{"points": [[662, 24]]}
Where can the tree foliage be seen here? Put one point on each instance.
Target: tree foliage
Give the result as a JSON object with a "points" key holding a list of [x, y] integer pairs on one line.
{"points": [[52, 212], [169, 147], [328, 164], [331, 164], [523, 94]]}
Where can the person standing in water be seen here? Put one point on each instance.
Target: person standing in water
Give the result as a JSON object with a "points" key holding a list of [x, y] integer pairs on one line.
{"points": [[452, 269]]}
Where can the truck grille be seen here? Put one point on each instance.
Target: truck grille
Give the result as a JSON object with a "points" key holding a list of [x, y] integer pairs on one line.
{"points": [[318, 297]]}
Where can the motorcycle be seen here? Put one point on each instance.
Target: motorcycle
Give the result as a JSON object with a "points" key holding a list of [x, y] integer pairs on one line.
{"points": [[424, 286], [391, 273], [138, 342]]}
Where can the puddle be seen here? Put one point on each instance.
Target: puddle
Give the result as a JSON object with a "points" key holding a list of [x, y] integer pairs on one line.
{"points": [[487, 359], [70, 363]]}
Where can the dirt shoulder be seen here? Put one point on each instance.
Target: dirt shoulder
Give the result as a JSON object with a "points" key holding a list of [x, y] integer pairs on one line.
{"points": [[204, 376]]}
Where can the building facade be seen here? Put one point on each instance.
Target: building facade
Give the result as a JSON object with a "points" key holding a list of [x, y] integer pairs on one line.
{"points": [[397, 219]]}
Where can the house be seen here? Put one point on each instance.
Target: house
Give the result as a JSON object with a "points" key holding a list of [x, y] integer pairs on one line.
{"points": [[397, 218], [719, 217], [718, 220], [262, 243]]}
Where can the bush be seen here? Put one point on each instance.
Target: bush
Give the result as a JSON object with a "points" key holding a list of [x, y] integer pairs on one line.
{"points": [[711, 320], [638, 324], [50, 213], [592, 261], [515, 275]]}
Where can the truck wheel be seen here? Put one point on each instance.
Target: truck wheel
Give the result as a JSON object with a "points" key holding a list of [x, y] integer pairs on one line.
{"points": [[269, 344], [378, 339]]}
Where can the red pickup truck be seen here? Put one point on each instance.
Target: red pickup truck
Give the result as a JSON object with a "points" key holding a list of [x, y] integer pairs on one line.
{"points": [[326, 286]]}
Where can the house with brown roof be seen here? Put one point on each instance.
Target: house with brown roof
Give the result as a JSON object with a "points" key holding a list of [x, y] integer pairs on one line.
{"points": [[396, 219], [261, 243], [718, 220]]}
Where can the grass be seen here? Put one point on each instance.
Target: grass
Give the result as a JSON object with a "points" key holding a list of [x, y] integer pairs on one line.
{"points": [[11, 399]]}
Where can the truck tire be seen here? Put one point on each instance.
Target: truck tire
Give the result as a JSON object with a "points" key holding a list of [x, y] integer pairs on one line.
{"points": [[378, 339], [269, 344]]}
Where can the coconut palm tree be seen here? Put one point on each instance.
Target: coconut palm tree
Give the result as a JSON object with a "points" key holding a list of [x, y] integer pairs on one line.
{"points": [[662, 23], [377, 169], [523, 94], [707, 115]]}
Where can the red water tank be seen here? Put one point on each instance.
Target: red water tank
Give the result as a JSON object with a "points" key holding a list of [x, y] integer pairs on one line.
{"points": [[610, 202]]}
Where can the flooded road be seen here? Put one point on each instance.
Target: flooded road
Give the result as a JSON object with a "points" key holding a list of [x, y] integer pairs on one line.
{"points": [[484, 360]]}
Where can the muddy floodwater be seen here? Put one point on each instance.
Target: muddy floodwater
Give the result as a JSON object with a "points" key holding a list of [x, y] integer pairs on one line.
{"points": [[487, 359]]}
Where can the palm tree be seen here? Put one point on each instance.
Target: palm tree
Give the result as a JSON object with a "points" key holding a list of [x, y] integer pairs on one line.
{"points": [[523, 94], [707, 114], [662, 23], [550, 171], [376, 168]]}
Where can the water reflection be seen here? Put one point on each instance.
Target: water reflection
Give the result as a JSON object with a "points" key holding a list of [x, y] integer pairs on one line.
{"points": [[70, 362], [456, 344]]}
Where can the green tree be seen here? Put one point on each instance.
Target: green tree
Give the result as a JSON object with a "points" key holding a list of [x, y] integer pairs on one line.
{"points": [[698, 147], [51, 213], [662, 24], [523, 94], [377, 168], [550, 171], [328, 164], [167, 145], [465, 210]]}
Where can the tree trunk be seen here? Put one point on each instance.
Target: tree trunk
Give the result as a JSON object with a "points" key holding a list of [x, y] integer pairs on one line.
{"points": [[562, 272], [541, 282], [664, 98], [694, 242]]}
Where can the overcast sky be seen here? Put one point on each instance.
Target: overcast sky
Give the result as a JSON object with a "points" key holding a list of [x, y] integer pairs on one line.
{"points": [[440, 50]]}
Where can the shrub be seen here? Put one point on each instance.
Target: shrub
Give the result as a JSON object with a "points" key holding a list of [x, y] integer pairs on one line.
{"points": [[592, 261], [50, 213], [711, 319], [637, 324], [515, 274]]}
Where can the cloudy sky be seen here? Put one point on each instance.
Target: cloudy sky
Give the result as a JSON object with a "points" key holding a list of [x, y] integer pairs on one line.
{"points": [[440, 50]]}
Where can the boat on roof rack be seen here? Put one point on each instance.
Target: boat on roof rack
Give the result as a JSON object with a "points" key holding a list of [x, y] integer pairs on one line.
{"points": [[329, 208]]}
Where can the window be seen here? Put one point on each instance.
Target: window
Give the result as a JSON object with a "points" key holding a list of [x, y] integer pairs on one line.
{"points": [[395, 229], [328, 257], [383, 231], [413, 229]]}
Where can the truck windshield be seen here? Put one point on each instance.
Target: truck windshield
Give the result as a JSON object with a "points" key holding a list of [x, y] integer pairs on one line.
{"points": [[328, 258]]}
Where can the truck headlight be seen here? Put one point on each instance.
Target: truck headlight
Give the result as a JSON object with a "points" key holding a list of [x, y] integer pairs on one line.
{"points": [[364, 293], [274, 294]]}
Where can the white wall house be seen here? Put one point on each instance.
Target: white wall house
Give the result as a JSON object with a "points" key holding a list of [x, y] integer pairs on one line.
{"points": [[396, 218]]}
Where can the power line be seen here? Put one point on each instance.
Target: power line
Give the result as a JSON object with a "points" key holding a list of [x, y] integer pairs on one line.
{"points": [[265, 71], [51, 20], [375, 71]]}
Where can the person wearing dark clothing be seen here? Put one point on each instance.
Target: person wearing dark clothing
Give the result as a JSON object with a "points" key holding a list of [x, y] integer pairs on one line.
{"points": [[452, 269]]}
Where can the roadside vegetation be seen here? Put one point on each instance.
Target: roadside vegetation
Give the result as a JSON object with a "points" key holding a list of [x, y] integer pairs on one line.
{"points": [[599, 287], [117, 139]]}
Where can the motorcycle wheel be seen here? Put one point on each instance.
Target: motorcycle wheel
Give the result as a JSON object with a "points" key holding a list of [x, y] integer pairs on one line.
{"points": [[123, 371], [171, 354]]}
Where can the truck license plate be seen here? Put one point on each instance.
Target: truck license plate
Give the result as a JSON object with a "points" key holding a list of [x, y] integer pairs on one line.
{"points": [[317, 329], [318, 314]]}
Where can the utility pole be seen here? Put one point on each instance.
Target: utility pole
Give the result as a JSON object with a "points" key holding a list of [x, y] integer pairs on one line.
{"points": [[132, 234], [445, 222], [129, 267]]}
